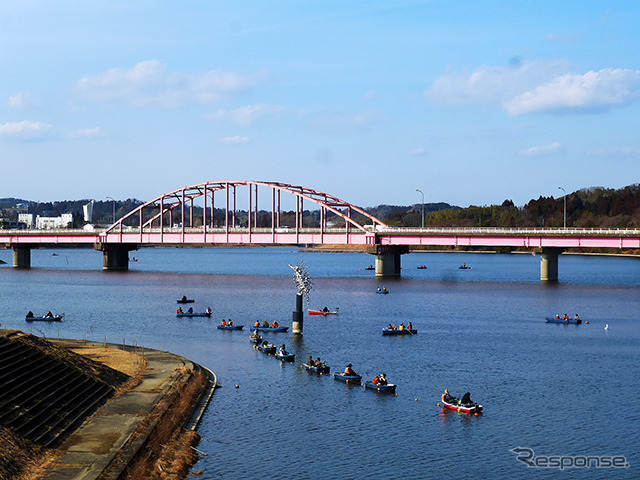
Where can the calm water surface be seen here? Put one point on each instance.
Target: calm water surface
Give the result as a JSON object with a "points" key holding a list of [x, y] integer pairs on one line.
{"points": [[559, 390]]}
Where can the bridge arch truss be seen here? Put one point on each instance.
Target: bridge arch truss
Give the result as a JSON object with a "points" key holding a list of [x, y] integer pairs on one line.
{"points": [[171, 217]]}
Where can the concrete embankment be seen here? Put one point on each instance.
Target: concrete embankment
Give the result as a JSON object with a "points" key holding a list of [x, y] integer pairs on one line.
{"points": [[128, 435]]}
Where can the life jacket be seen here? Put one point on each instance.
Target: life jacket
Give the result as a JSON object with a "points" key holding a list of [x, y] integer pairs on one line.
{"points": [[224, 323], [257, 324], [375, 380]]}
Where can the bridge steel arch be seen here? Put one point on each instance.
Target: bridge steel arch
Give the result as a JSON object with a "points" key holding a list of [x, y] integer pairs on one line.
{"points": [[156, 223]]}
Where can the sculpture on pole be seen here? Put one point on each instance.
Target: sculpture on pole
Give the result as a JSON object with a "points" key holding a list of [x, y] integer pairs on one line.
{"points": [[304, 285]]}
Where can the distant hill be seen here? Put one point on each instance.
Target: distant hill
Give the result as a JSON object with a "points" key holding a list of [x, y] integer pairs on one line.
{"points": [[595, 207]]}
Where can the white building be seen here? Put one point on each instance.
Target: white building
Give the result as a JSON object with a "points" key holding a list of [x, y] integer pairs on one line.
{"points": [[26, 218], [48, 223]]}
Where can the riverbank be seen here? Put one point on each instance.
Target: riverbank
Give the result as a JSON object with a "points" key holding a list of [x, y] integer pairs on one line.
{"points": [[140, 432]]}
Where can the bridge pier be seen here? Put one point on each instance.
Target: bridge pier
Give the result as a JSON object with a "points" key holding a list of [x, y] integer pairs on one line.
{"points": [[115, 257], [387, 261], [22, 256], [298, 316], [549, 264]]}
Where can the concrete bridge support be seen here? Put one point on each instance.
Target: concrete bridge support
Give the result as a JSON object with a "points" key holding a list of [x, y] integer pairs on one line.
{"points": [[387, 262], [115, 258], [22, 256], [549, 264], [298, 316]]}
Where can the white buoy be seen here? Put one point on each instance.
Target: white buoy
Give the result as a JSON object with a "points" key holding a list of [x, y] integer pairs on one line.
{"points": [[606, 327]]}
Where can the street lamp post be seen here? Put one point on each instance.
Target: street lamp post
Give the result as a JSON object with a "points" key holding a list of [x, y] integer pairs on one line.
{"points": [[565, 207], [114, 209], [418, 190]]}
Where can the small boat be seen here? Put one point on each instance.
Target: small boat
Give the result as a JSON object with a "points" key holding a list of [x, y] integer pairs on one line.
{"points": [[382, 292], [452, 403], [387, 388], [230, 327], [347, 378], [370, 267], [315, 369], [193, 314], [268, 348], [323, 312], [575, 321], [185, 300], [464, 267], [271, 329], [255, 340], [54, 318], [286, 356], [406, 331], [422, 267]]}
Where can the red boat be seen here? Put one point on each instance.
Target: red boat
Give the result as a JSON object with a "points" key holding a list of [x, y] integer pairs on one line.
{"points": [[324, 311], [463, 405]]}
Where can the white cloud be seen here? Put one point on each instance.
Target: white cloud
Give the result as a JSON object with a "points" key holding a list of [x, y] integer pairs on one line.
{"points": [[418, 152], [149, 83], [592, 91], [542, 150], [20, 100], [25, 129], [236, 140], [86, 133], [488, 84], [616, 152], [245, 115], [532, 87]]}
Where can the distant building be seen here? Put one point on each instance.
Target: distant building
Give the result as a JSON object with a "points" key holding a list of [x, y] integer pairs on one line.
{"points": [[26, 218], [48, 223], [88, 212]]}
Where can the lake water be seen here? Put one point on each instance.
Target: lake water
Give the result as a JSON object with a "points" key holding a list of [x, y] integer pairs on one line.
{"points": [[555, 389]]}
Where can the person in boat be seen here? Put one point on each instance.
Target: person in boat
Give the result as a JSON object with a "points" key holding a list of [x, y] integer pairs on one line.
{"points": [[30, 314], [389, 327], [310, 361], [257, 324], [179, 310], [265, 324], [282, 350], [446, 397], [184, 297], [208, 310], [274, 324], [49, 314], [565, 317], [577, 317], [255, 334], [378, 289], [557, 316], [223, 323], [319, 363], [349, 371], [410, 326], [190, 310], [466, 399], [380, 379], [401, 326], [384, 289], [230, 323], [325, 309]]}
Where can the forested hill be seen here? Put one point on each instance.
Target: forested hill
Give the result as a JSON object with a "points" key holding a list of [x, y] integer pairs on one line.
{"points": [[594, 207]]}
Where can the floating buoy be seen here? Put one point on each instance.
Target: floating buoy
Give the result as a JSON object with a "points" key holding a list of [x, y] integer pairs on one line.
{"points": [[396, 394], [437, 404], [416, 399], [587, 322], [476, 414], [237, 386]]}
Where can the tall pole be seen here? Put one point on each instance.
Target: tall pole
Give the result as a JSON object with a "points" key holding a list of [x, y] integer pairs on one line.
{"points": [[114, 209], [564, 223], [418, 190]]}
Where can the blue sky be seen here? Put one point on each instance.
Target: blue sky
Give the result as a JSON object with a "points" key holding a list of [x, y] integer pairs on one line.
{"points": [[472, 102]]}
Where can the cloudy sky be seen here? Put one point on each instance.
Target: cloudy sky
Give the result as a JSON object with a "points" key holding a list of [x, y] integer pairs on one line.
{"points": [[472, 102]]}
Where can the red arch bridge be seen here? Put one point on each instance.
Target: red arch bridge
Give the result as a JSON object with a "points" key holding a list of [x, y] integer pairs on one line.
{"points": [[186, 216]]}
